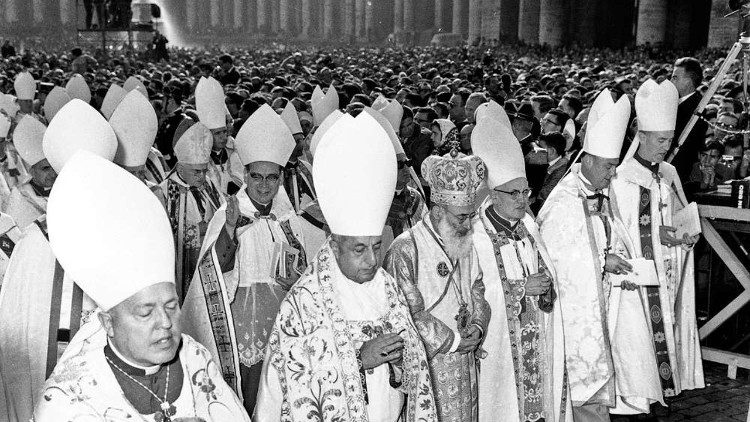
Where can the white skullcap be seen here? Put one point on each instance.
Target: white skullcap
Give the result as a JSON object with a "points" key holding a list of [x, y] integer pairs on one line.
{"points": [[264, 137], [77, 126], [135, 124], [112, 99], [55, 100], [133, 83], [210, 104], [78, 88], [25, 86], [289, 116], [570, 130], [27, 138], [108, 230], [392, 110], [194, 146], [386, 125], [606, 125], [494, 111], [4, 125], [325, 105], [8, 104], [656, 106], [498, 147], [323, 128], [354, 173]]}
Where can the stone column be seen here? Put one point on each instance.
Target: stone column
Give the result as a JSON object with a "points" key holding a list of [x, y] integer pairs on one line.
{"points": [[369, 17], [489, 16], [275, 25], [348, 18], [359, 19], [398, 16], [239, 15], [328, 19], [509, 19], [37, 7], [583, 25], [459, 8], [227, 20], [192, 15], [722, 31], [652, 22], [528, 21], [285, 17], [306, 17], [251, 9], [439, 16], [552, 22], [475, 20], [215, 13], [67, 11], [409, 23], [262, 12]]}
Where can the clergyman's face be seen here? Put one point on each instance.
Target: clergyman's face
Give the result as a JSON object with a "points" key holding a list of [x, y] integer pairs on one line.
{"points": [[358, 257], [510, 199], [655, 144], [193, 174], [145, 328], [599, 171], [43, 174], [221, 136], [263, 179]]}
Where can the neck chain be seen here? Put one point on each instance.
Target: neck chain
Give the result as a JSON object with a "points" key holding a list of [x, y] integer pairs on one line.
{"points": [[167, 409]]}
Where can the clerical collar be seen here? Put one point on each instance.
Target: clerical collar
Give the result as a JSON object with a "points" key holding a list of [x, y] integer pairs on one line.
{"points": [[501, 223], [588, 188], [685, 97], [553, 162], [40, 191], [653, 167], [264, 210], [127, 365], [220, 156]]}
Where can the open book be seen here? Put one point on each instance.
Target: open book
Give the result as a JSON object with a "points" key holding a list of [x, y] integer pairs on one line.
{"points": [[687, 221]]}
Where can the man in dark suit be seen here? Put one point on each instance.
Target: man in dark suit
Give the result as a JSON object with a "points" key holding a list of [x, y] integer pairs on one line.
{"points": [[554, 143], [687, 76]]}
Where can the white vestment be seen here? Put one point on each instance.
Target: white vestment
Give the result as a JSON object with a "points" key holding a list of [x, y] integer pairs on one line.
{"points": [[25, 206]]}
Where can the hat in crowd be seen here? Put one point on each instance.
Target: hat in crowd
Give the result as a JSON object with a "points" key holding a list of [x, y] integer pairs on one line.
{"points": [[498, 147], [27, 138], [194, 146], [323, 128], [323, 105], [133, 83], [354, 173], [78, 88], [391, 109], [209, 103], [656, 106], [112, 99], [606, 125], [8, 104], [454, 178], [386, 125], [135, 124], [265, 137], [77, 126], [112, 242], [493, 110], [55, 100], [289, 116], [25, 86]]}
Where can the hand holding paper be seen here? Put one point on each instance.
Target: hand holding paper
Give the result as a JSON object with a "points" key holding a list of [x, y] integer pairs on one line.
{"points": [[642, 274]]}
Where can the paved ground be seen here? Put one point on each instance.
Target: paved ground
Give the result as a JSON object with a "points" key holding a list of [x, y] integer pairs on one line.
{"points": [[723, 400]]}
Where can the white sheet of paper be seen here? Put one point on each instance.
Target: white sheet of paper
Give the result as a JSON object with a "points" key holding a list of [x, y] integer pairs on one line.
{"points": [[687, 221], [643, 274]]}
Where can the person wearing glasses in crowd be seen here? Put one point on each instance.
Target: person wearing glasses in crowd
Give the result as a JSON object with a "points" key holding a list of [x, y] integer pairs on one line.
{"points": [[252, 254], [580, 229], [524, 375]]}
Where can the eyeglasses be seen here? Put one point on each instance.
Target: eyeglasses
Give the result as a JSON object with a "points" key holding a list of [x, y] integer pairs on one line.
{"points": [[270, 179], [516, 194], [462, 217], [549, 121]]}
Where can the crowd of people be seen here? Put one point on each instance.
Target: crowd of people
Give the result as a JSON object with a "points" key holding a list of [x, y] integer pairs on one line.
{"points": [[423, 234]]}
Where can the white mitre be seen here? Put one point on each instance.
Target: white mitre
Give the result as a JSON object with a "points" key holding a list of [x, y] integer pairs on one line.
{"points": [[656, 106], [133, 83], [323, 106], [78, 88], [108, 230], [391, 109], [606, 126], [25, 86], [8, 104], [55, 100], [386, 125], [210, 103], [290, 117], [27, 137], [354, 173], [492, 110], [498, 147], [323, 128], [194, 146], [135, 124], [112, 99], [4, 125], [77, 126], [264, 137]]}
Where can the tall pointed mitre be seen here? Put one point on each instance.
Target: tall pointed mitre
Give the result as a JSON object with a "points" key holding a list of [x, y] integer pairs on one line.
{"points": [[135, 124], [4, 125], [8, 104], [108, 230], [606, 125], [55, 100], [25, 86], [386, 125], [77, 126], [323, 128], [354, 173], [112, 99], [493, 110], [323, 106], [133, 83], [656, 106], [194, 146], [78, 88], [498, 147], [290, 117], [209, 103], [28, 137], [264, 137], [392, 110]]}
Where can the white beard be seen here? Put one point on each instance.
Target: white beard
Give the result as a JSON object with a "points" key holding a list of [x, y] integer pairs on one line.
{"points": [[456, 246]]}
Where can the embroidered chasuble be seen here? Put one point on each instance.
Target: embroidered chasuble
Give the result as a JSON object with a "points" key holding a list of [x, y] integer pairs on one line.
{"points": [[226, 170], [190, 209], [311, 369], [524, 337], [298, 183], [156, 166], [437, 288], [26, 203], [84, 385], [649, 195]]}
